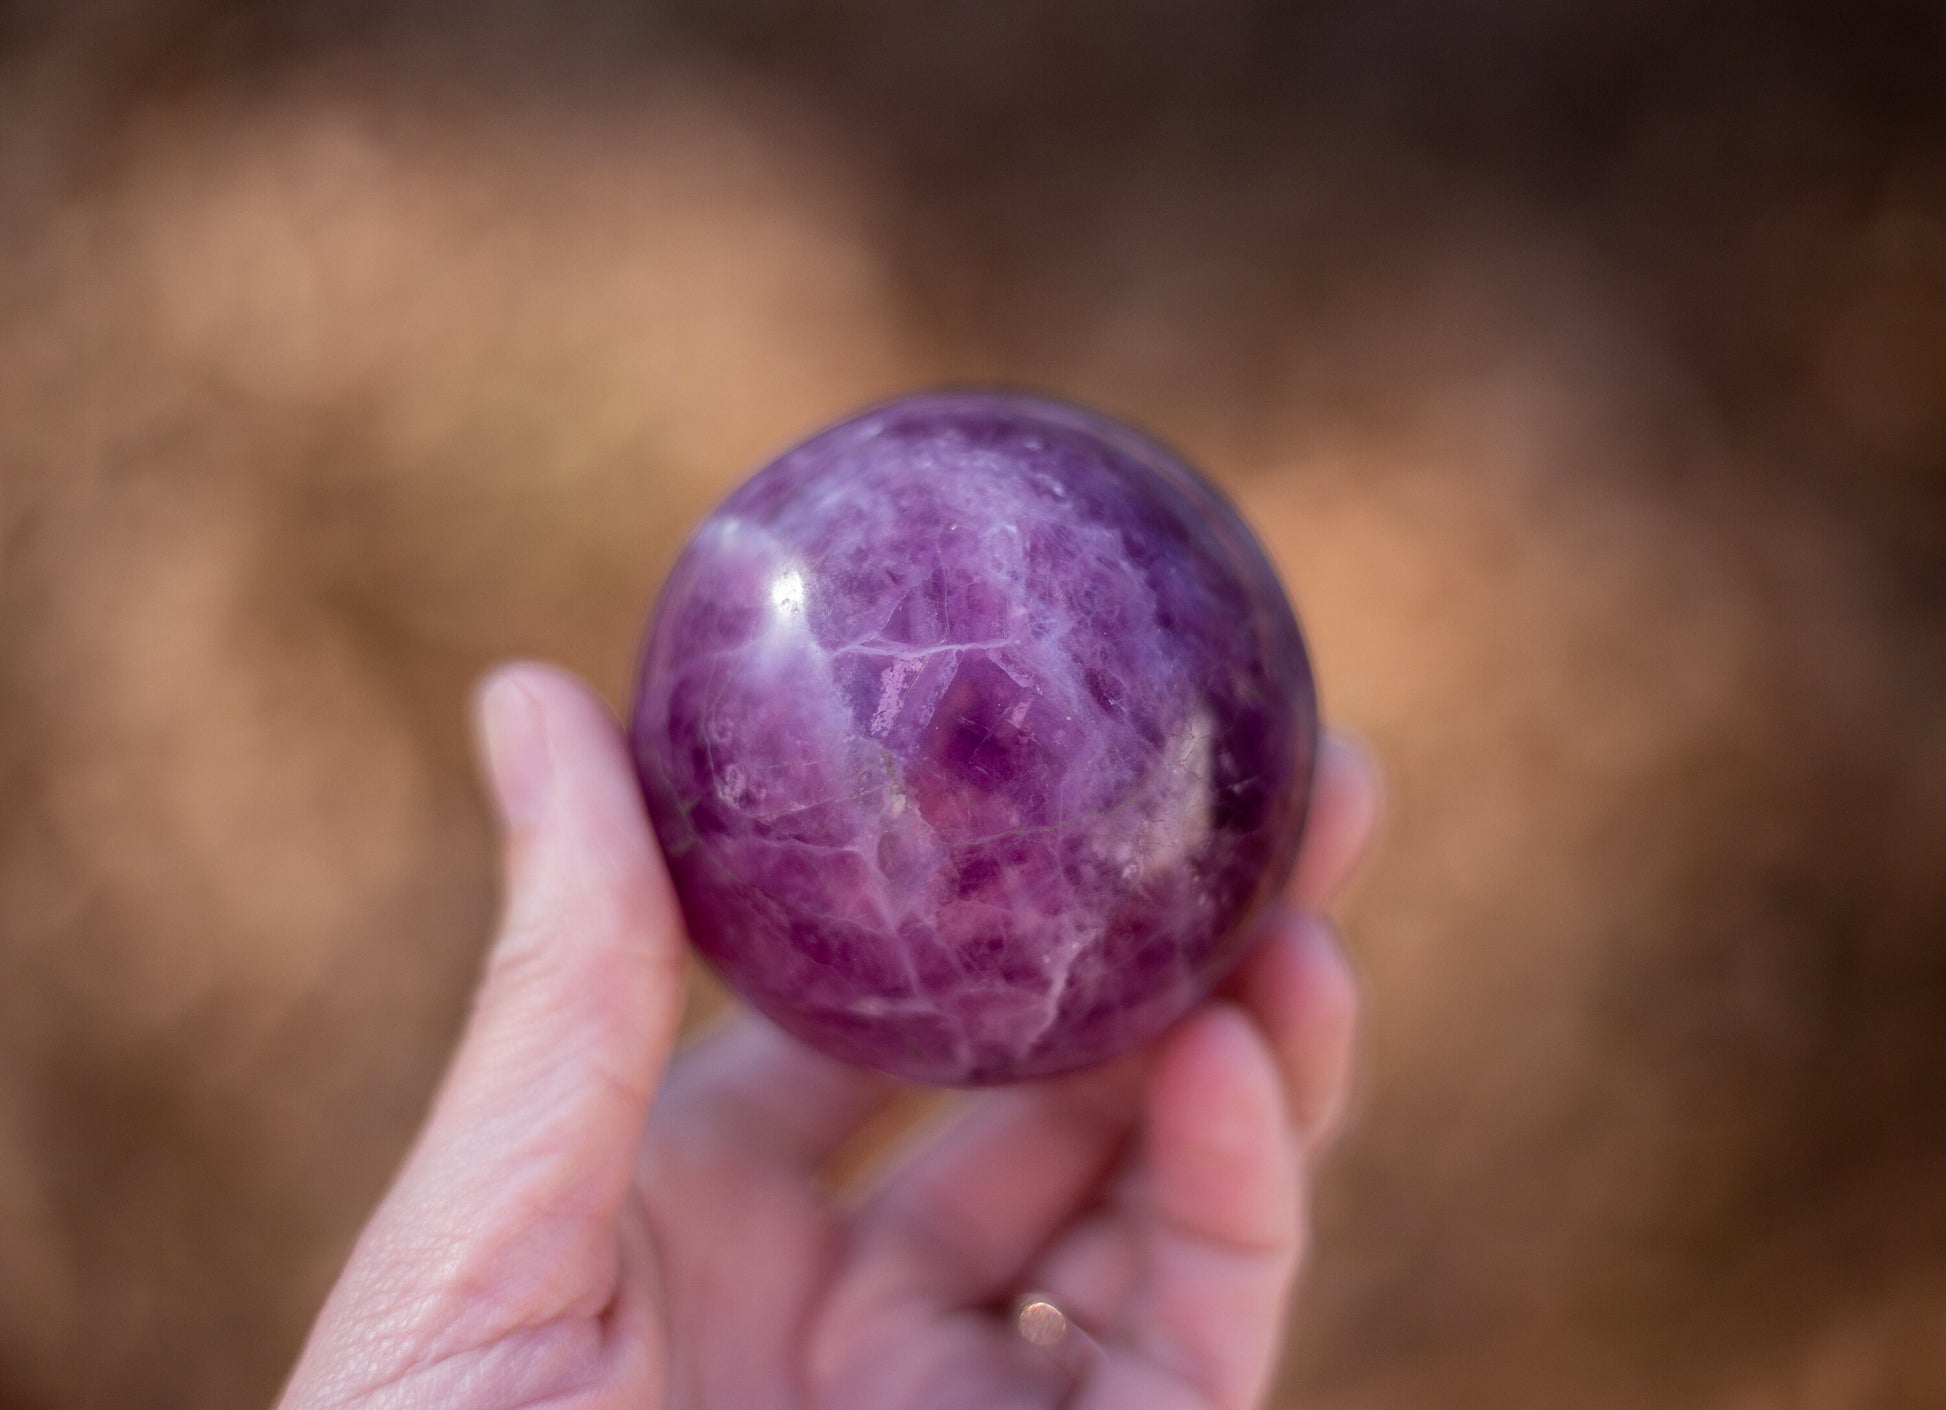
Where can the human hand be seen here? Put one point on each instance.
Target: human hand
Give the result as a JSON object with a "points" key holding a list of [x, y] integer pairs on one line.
{"points": [[584, 1222]]}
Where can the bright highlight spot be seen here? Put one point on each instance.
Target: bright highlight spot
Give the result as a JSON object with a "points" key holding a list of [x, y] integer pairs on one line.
{"points": [[787, 593]]}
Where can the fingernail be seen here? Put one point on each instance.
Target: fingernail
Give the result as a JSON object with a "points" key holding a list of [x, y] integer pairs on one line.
{"points": [[1358, 751], [520, 765]]}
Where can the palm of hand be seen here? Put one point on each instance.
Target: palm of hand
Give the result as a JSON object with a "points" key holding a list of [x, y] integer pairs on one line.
{"points": [[544, 1246]]}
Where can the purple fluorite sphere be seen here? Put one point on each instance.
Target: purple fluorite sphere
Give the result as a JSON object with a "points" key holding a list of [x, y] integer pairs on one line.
{"points": [[975, 730]]}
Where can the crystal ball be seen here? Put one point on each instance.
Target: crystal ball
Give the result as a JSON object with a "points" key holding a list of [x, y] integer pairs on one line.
{"points": [[975, 730]]}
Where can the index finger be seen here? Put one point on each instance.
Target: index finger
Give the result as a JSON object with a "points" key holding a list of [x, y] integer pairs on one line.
{"points": [[1345, 807]]}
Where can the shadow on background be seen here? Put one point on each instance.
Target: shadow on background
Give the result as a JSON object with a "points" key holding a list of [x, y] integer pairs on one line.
{"points": [[1583, 366]]}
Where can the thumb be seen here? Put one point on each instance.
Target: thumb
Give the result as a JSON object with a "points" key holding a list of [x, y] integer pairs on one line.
{"points": [[523, 1166]]}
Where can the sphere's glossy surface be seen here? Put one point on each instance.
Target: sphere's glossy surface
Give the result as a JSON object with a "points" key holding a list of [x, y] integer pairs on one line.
{"points": [[975, 729]]}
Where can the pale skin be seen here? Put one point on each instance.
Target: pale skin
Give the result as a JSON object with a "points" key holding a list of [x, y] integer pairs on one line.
{"points": [[589, 1219]]}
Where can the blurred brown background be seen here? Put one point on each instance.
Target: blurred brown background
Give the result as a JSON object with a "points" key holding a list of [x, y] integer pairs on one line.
{"points": [[1584, 367]]}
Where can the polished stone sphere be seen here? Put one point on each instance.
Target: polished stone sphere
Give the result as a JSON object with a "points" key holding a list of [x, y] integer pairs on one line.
{"points": [[975, 729]]}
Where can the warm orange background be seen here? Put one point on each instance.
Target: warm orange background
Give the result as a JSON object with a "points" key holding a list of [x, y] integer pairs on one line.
{"points": [[1584, 367]]}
